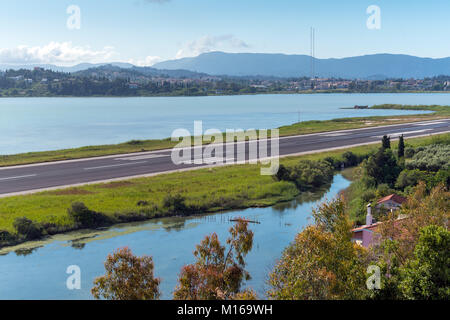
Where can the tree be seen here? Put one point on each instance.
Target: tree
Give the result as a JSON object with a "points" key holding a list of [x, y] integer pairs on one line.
{"points": [[427, 276], [421, 209], [409, 178], [386, 142], [383, 167], [401, 147], [218, 273], [322, 263], [400, 240], [127, 278]]}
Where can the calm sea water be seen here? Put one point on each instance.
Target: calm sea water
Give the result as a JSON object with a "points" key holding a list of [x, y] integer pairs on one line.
{"points": [[41, 273], [36, 124]]}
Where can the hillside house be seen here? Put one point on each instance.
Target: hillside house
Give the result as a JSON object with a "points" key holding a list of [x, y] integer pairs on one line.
{"points": [[391, 202]]}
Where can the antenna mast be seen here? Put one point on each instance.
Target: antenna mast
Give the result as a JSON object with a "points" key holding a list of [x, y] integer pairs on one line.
{"points": [[313, 53]]}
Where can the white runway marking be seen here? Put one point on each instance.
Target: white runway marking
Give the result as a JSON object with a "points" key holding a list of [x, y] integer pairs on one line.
{"points": [[148, 156], [18, 177], [334, 134], [398, 134], [428, 124], [212, 160], [115, 165]]}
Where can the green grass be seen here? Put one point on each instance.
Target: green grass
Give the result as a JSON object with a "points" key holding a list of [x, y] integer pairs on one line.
{"points": [[306, 127], [215, 189]]}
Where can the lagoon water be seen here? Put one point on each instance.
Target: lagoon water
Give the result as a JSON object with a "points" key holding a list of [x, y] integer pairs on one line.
{"points": [[38, 124], [41, 273]]}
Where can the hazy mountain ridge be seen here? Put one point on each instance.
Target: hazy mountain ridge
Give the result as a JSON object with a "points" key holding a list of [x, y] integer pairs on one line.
{"points": [[75, 68], [377, 66], [369, 67]]}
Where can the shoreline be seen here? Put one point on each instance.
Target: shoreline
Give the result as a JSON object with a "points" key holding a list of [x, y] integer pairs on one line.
{"points": [[272, 193], [299, 128], [236, 94]]}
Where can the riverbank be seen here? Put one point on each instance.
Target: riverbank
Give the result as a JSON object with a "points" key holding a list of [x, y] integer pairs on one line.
{"points": [[169, 241], [307, 127], [192, 192]]}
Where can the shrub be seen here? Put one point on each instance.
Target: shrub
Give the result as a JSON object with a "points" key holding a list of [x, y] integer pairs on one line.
{"points": [[384, 190], [335, 163], [135, 142], [368, 195], [409, 178], [430, 158], [311, 174], [350, 159], [441, 177], [86, 218], [28, 229], [282, 173], [409, 153], [175, 204], [307, 174], [6, 237]]}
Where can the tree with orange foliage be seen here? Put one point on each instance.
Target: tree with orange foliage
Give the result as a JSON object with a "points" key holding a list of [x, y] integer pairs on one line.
{"points": [[127, 278], [322, 263], [218, 273], [400, 237]]}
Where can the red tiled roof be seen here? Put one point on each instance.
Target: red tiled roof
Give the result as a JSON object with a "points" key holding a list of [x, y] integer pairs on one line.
{"points": [[372, 226], [393, 197]]}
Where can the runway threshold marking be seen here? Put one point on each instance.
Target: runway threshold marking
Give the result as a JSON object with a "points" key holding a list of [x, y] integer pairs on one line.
{"points": [[115, 165]]}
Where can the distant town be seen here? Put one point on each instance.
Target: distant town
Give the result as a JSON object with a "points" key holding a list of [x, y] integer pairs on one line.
{"points": [[111, 80]]}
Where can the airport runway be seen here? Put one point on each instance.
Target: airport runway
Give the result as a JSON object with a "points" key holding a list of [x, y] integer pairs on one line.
{"points": [[31, 178]]}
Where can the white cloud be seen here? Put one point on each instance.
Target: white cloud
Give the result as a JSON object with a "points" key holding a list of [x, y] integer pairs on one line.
{"points": [[210, 43], [146, 62], [55, 52]]}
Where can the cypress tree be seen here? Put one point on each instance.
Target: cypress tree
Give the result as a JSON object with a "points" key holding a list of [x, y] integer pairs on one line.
{"points": [[386, 142], [401, 147]]}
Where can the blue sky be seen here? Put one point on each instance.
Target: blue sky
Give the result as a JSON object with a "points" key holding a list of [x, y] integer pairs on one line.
{"points": [[146, 31]]}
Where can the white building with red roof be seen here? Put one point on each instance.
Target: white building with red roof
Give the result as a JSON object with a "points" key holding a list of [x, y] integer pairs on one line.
{"points": [[391, 202]]}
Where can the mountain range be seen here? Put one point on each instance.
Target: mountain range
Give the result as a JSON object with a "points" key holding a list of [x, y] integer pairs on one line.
{"points": [[75, 68], [376, 66], [373, 67]]}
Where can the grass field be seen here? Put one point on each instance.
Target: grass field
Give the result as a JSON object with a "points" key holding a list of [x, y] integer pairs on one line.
{"points": [[294, 129], [209, 190]]}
